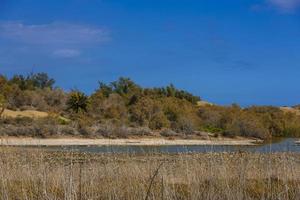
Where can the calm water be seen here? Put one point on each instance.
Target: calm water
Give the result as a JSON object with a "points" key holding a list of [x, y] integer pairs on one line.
{"points": [[278, 145]]}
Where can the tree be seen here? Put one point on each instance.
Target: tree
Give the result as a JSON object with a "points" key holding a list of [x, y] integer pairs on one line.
{"points": [[41, 80], [247, 125], [3, 80], [20, 81], [125, 86], [55, 98], [149, 112], [77, 102], [171, 90], [106, 90], [32, 81], [114, 107]]}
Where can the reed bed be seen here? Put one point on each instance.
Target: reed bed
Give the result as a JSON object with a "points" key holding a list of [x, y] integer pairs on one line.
{"points": [[38, 174]]}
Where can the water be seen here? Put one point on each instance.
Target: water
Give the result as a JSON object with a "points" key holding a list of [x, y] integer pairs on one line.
{"points": [[278, 145]]}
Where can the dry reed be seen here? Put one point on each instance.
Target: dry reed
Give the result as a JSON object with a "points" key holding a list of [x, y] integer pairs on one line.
{"points": [[37, 174]]}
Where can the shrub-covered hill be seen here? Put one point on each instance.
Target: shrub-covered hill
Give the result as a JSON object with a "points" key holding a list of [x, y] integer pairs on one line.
{"points": [[123, 108]]}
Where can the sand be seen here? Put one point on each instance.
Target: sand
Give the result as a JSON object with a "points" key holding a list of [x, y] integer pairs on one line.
{"points": [[25, 113], [291, 110], [129, 142]]}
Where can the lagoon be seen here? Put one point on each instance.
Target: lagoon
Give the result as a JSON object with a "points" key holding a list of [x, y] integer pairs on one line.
{"points": [[276, 145]]}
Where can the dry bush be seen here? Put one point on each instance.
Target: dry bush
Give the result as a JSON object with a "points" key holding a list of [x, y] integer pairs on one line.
{"points": [[113, 131], [168, 133]]}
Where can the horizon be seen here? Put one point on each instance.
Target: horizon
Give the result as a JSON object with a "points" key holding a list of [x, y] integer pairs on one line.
{"points": [[226, 52]]}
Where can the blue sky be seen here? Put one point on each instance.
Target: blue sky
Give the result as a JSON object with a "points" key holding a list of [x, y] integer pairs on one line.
{"points": [[243, 51]]}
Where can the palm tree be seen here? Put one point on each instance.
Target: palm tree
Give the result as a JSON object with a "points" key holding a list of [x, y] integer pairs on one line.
{"points": [[78, 102]]}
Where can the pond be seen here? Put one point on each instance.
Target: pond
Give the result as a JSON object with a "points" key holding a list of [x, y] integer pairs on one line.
{"points": [[277, 145]]}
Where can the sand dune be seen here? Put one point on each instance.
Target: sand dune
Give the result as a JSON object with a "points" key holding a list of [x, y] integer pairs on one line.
{"points": [[290, 109], [25, 113]]}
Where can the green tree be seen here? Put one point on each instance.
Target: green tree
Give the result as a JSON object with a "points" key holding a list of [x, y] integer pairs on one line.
{"points": [[20, 81], [77, 102], [104, 89], [41, 80], [171, 90], [32, 81], [125, 87]]}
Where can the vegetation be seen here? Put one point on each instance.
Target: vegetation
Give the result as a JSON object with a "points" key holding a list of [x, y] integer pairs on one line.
{"points": [[123, 108], [2, 104], [77, 102], [36, 174]]}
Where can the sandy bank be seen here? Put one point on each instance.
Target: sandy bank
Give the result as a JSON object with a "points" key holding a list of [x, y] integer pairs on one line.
{"points": [[25, 113], [132, 142]]}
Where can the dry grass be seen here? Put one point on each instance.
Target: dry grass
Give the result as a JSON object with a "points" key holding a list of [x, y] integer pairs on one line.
{"points": [[35, 174], [25, 113]]}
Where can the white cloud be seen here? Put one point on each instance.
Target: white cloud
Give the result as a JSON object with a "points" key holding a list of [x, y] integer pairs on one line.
{"points": [[285, 5], [54, 34], [66, 53]]}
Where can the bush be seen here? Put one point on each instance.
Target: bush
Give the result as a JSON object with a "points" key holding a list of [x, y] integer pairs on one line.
{"points": [[247, 127], [168, 133], [67, 130], [77, 102], [149, 112], [183, 125], [112, 131], [140, 131], [85, 131], [159, 121], [25, 121]]}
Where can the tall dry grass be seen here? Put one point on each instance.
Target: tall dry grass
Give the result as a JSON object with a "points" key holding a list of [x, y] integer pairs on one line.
{"points": [[36, 174]]}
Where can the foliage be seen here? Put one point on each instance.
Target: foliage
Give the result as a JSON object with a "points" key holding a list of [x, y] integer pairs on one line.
{"points": [[171, 91], [114, 107], [247, 126], [149, 112], [41, 80], [32, 81], [77, 102], [2, 104], [123, 103]]}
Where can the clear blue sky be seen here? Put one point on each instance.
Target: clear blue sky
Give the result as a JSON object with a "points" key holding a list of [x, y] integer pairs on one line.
{"points": [[244, 51]]}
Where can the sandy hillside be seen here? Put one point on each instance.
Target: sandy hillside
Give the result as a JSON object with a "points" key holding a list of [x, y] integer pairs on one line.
{"points": [[290, 109], [204, 103], [25, 113]]}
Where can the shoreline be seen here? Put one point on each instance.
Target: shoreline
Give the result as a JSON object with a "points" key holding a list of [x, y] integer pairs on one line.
{"points": [[122, 142]]}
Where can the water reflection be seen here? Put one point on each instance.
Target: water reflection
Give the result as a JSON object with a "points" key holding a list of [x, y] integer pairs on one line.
{"points": [[282, 145]]}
